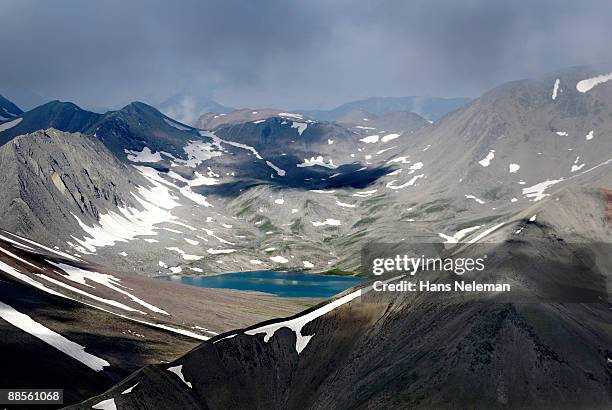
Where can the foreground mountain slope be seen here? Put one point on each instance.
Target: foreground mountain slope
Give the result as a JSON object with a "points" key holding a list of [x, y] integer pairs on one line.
{"points": [[50, 301], [366, 350]]}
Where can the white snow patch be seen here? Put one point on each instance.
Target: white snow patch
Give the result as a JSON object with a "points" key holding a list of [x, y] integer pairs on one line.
{"points": [[556, 89], [329, 142], [537, 191], [56, 340], [210, 232], [191, 241], [485, 233], [178, 370], [411, 182], [280, 172], [586, 85], [108, 404], [291, 115], [308, 265], [562, 133], [401, 160], [279, 201], [198, 152], [345, 205], [589, 136], [480, 201], [255, 262], [458, 235], [220, 251], [577, 167], [389, 137], [415, 167], [143, 156], [486, 161], [82, 276], [298, 323], [10, 124], [128, 391], [513, 168], [328, 221], [279, 259], [320, 161], [371, 139], [365, 194], [184, 254], [301, 126]]}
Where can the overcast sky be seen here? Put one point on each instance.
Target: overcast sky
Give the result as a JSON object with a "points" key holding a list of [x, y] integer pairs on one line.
{"points": [[289, 54]]}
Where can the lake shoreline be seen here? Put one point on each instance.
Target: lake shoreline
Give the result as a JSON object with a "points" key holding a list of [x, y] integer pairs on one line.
{"points": [[284, 284]]}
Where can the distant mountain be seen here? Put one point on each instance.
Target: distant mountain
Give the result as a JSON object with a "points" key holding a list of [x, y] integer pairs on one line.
{"points": [[430, 108], [187, 108], [64, 116], [138, 125], [8, 110], [214, 119], [22, 97], [398, 121]]}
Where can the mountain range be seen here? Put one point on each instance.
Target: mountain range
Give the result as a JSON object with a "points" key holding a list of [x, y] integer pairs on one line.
{"points": [[430, 108], [525, 165]]}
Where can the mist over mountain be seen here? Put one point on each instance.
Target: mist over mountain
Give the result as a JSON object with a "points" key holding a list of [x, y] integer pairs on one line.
{"points": [[431, 108], [188, 108]]}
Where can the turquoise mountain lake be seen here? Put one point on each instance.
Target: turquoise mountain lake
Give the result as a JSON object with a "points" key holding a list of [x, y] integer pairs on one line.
{"points": [[285, 284]]}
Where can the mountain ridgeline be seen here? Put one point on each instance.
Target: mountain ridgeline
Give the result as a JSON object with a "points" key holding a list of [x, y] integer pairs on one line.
{"points": [[524, 167]]}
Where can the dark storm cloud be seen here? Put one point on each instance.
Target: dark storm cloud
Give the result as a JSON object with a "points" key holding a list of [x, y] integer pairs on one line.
{"points": [[289, 53]]}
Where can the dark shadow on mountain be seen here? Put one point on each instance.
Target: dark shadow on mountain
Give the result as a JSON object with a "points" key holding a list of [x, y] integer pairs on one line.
{"points": [[310, 178]]}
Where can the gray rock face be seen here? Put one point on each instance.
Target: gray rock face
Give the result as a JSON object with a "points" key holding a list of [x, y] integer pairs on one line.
{"points": [[527, 164], [51, 177]]}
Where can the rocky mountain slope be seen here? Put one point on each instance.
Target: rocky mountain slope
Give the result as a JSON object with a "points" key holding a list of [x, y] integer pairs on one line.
{"points": [[290, 192], [526, 168], [49, 300], [404, 350]]}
